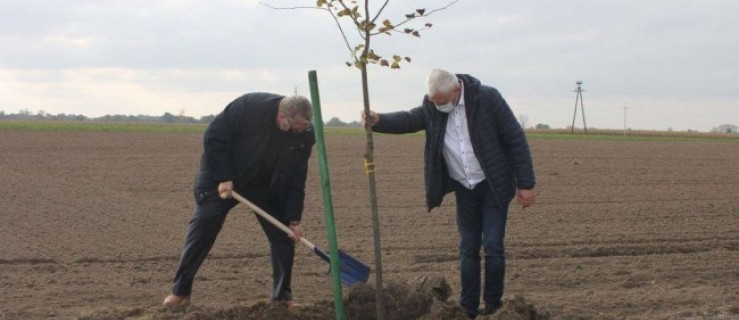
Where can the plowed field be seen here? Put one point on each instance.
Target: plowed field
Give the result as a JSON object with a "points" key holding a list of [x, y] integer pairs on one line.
{"points": [[643, 230]]}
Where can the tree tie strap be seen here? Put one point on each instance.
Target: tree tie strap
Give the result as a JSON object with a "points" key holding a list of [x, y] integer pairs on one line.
{"points": [[368, 167]]}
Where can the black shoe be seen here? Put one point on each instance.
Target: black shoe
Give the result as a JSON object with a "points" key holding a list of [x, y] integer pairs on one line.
{"points": [[489, 310]]}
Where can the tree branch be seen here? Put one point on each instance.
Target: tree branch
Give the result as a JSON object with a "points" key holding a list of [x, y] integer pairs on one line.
{"points": [[441, 8], [289, 8], [366, 31], [425, 15], [336, 19], [379, 12], [414, 30], [343, 35], [354, 19]]}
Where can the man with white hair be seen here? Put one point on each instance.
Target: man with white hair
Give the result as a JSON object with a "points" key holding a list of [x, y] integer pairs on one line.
{"points": [[259, 146], [476, 148]]}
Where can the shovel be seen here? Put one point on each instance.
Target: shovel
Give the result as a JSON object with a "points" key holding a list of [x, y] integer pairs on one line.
{"points": [[352, 271]]}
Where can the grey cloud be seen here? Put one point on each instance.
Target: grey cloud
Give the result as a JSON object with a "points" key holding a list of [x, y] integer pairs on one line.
{"points": [[144, 34], [645, 52]]}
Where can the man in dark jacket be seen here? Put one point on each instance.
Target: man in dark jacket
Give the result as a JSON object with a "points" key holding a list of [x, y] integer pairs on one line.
{"points": [[258, 146], [476, 148]]}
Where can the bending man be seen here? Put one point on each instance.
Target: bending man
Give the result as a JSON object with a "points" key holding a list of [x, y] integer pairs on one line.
{"points": [[258, 146]]}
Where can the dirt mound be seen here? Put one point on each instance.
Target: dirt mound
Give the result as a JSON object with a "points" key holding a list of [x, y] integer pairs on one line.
{"points": [[433, 284], [265, 310], [261, 310], [423, 298], [517, 309], [401, 302]]}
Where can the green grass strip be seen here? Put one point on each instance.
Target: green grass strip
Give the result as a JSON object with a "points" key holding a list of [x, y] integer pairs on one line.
{"points": [[87, 126], [652, 136]]}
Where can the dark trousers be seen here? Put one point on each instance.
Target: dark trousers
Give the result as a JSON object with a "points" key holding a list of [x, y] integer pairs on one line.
{"points": [[481, 221], [202, 232]]}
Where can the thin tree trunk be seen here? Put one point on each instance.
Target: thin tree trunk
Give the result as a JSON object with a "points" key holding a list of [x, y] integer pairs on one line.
{"points": [[370, 167]]}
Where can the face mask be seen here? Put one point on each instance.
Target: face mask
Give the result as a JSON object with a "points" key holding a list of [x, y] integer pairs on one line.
{"points": [[445, 108]]}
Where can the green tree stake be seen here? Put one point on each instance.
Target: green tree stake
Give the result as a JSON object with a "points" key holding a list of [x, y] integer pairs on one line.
{"points": [[327, 201]]}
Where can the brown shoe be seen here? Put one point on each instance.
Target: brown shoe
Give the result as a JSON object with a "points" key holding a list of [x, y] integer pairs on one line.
{"points": [[292, 306], [176, 301]]}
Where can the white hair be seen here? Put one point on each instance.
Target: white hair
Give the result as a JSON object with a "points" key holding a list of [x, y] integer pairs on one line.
{"points": [[440, 81], [296, 105]]}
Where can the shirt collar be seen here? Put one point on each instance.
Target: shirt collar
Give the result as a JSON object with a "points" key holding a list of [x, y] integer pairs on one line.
{"points": [[461, 94]]}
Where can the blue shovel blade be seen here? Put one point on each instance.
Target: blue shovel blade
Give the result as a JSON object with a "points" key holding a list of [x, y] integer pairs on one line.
{"points": [[352, 271]]}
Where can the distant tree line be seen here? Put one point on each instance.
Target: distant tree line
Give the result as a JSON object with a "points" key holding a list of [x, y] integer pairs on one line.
{"points": [[726, 128], [336, 122], [41, 115], [27, 115]]}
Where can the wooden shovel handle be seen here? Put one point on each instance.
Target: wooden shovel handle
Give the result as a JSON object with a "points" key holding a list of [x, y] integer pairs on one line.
{"points": [[270, 218]]}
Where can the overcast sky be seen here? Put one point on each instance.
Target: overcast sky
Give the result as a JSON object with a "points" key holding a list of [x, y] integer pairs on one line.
{"points": [[672, 63]]}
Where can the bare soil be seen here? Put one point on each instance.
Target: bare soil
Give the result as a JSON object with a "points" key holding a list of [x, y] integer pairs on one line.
{"points": [[92, 224]]}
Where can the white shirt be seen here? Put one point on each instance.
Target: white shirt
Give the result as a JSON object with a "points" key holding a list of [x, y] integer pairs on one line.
{"points": [[460, 158]]}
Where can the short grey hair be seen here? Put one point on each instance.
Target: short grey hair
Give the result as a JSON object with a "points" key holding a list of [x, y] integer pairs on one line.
{"points": [[294, 106], [441, 81]]}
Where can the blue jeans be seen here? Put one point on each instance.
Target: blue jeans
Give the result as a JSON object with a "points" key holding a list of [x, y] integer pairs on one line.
{"points": [[481, 221]]}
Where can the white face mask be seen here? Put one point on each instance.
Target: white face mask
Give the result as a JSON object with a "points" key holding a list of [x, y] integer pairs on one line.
{"points": [[445, 108]]}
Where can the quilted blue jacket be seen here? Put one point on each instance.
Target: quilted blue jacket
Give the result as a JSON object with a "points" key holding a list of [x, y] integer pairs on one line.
{"points": [[497, 138]]}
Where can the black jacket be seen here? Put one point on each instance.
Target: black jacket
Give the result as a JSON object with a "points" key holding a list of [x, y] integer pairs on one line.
{"points": [[235, 143], [497, 139]]}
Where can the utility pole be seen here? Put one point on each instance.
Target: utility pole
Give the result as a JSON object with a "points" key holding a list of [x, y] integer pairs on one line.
{"points": [[625, 107], [578, 98]]}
